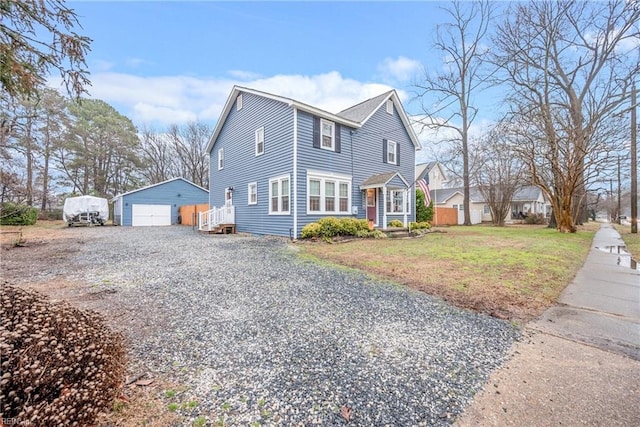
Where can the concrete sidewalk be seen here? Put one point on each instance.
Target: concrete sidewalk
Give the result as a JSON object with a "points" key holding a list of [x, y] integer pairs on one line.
{"points": [[580, 361]]}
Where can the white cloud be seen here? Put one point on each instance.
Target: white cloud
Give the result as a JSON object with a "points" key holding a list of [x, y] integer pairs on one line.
{"points": [[401, 69], [164, 100]]}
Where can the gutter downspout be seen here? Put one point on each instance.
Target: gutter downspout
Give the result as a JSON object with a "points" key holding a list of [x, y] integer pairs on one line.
{"points": [[295, 173]]}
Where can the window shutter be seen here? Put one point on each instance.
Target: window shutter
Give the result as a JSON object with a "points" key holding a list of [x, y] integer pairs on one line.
{"points": [[336, 130], [316, 132], [384, 150], [397, 154]]}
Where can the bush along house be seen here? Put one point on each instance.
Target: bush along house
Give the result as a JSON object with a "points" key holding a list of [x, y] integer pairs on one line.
{"points": [[278, 164]]}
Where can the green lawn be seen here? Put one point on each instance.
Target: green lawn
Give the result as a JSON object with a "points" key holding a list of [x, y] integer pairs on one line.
{"points": [[513, 272], [631, 240]]}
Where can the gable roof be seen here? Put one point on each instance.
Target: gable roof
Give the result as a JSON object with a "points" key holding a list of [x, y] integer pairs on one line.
{"points": [[528, 193], [353, 117], [443, 194], [117, 196], [423, 169], [381, 180], [362, 111]]}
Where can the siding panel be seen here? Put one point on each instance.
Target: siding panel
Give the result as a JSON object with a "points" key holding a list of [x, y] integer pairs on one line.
{"points": [[242, 166]]}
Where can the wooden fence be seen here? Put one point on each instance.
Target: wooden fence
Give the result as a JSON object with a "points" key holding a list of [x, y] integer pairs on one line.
{"points": [[189, 213], [445, 216]]}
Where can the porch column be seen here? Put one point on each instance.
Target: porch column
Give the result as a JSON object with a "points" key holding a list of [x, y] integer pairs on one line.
{"points": [[384, 207], [405, 199]]}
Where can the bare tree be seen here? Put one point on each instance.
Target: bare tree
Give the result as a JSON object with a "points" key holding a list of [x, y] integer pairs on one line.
{"points": [[190, 143], [158, 157], [569, 69], [462, 43], [500, 174]]}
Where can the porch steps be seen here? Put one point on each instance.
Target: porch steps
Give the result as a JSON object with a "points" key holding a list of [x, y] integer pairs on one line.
{"points": [[222, 229], [396, 232]]}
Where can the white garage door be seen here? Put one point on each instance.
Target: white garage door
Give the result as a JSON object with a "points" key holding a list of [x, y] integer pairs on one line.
{"points": [[144, 215]]}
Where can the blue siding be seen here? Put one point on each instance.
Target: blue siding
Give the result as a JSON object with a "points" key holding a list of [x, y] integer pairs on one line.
{"points": [[242, 166], [317, 159], [360, 157], [367, 146], [175, 193]]}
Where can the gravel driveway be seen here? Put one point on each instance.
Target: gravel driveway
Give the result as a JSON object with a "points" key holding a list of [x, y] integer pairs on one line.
{"points": [[264, 337]]}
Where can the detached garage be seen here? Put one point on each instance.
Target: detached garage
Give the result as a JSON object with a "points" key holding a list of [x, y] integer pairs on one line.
{"points": [[157, 204]]}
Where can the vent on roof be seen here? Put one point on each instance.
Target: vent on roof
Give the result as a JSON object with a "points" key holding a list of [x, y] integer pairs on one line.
{"points": [[389, 106]]}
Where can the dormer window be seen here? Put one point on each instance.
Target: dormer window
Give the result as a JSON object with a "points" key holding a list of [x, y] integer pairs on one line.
{"points": [[327, 136], [389, 106]]}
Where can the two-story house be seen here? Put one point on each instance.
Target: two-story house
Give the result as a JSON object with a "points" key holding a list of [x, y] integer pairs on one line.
{"points": [[278, 164]]}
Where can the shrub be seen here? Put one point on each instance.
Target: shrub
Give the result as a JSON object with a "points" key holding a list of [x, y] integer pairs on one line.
{"points": [[396, 223], [60, 365], [329, 227], [536, 218], [13, 214], [420, 225], [310, 230]]}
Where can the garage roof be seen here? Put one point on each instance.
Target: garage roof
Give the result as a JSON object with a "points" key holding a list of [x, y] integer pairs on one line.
{"points": [[155, 185]]}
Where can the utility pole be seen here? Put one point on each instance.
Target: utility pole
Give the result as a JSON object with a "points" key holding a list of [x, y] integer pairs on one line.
{"points": [[634, 163], [619, 191]]}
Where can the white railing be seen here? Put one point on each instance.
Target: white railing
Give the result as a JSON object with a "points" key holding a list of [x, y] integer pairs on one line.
{"points": [[212, 218]]}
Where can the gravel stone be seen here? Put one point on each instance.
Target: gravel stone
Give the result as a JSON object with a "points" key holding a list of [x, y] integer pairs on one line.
{"points": [[262, 336]]}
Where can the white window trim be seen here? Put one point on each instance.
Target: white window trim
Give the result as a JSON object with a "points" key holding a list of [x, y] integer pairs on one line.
{"points": [[239, 103], [258, 132], [333, 135], [405, 203], [221, 159], [279, 180], [389, 106], [395, 152], [323, 177], [250, 186]]}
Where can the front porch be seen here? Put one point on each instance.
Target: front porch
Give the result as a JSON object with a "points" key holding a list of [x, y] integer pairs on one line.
{"points": [[218, 220]]}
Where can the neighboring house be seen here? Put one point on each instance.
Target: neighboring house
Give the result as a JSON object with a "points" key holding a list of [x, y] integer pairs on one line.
{"points": [[528, 200], [278, 164], [157, 204], [437, 177]]}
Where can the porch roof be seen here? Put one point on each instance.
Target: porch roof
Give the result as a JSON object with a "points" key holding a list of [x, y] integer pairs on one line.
{"points": [[385, 180]]}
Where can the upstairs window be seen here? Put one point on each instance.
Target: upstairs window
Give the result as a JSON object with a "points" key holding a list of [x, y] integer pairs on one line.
{"points": [[221, 159], [239, 103], [326, 135], [392, 149], [260, 141]]}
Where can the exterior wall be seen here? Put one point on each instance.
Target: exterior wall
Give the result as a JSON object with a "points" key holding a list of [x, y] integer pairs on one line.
{"points": [[320, 160], [436, 180], [368, 155], [360, 156], [174, 193], [242, 166]]}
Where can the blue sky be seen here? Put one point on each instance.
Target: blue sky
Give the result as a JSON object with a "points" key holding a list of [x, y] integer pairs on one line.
{"points": [[162, 62]]}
